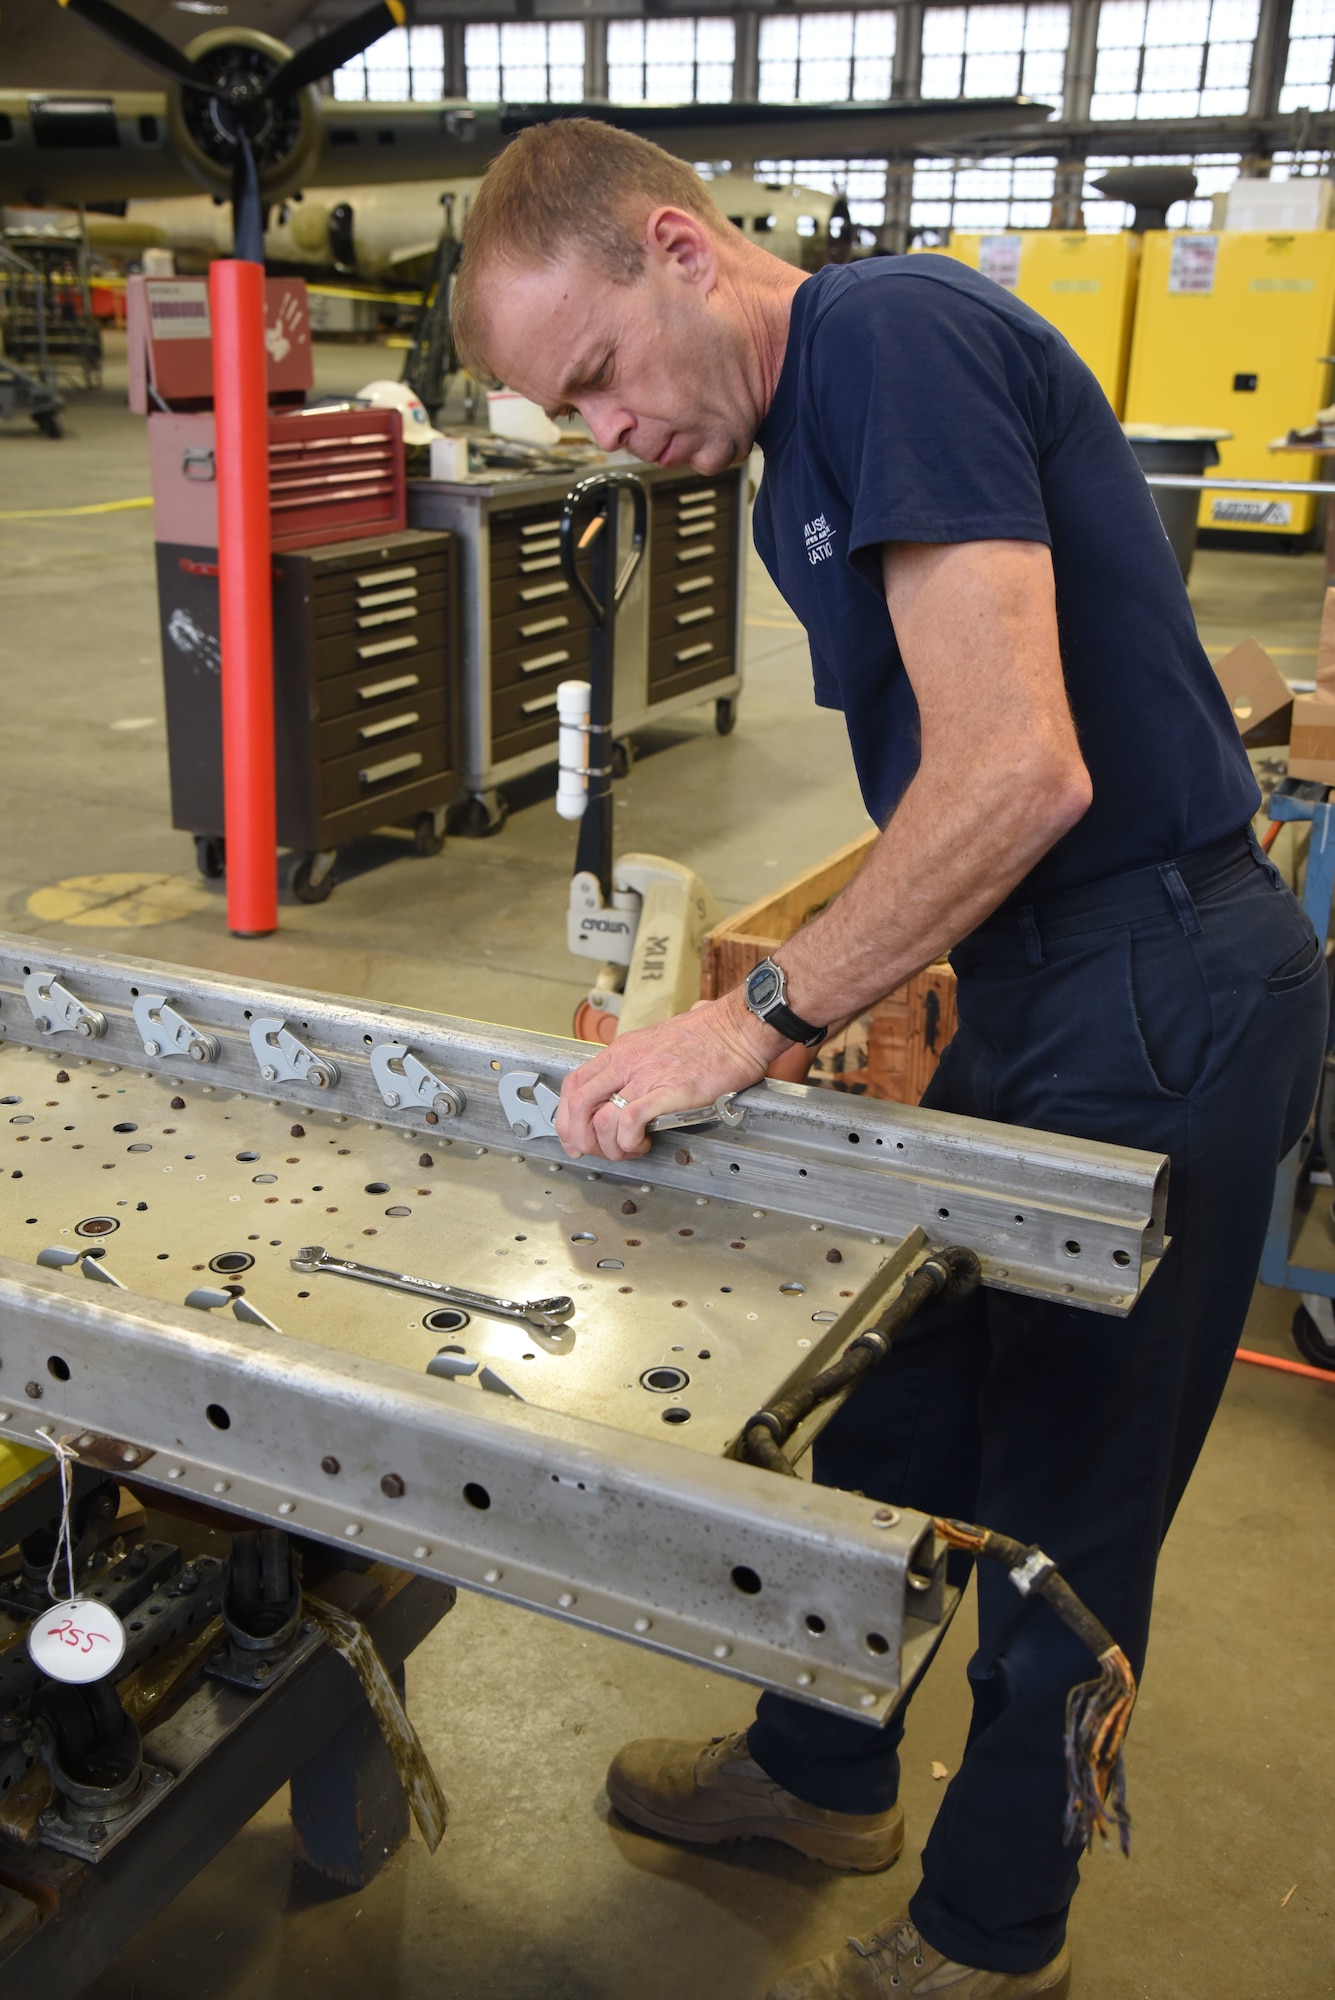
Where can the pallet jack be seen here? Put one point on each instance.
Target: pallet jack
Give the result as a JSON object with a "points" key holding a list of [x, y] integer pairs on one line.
{"points": [[643, 916]]}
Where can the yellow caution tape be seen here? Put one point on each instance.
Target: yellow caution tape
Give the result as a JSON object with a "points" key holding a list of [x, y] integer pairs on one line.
{"points": [[95, 507]]}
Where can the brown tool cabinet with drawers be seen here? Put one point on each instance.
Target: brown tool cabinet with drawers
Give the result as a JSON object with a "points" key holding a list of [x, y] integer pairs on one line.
{"points": [[524, 631], [365, 694]]}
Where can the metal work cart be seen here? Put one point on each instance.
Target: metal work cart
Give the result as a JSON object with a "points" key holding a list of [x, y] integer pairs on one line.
{"points": [[679, 628], [1299, 1252]]}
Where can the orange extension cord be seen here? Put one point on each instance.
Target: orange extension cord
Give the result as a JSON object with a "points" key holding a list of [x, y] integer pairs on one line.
{"points": [[1287, 1367]]}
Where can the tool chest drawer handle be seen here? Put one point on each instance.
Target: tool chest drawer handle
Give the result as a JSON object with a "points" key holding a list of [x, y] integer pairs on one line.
{"points": [[399, 685], [387, 617], [703, 527], [377, 577], [540, 548], [372, 600], [393, 767], [686, 653], [546, 562], [543, 661], [695, 499], [697, 555], [539, 702], [696, 617], [541, 625], [693, 583], [405, 643], [370, 730], [538, 590], [541, 527]]}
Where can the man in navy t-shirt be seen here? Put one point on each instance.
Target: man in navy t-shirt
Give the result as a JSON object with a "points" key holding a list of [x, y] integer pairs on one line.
{"points": [[951, 510]]}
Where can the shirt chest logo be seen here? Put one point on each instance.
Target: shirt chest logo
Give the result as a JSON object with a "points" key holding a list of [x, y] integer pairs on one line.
{"points": [[819, 538]]}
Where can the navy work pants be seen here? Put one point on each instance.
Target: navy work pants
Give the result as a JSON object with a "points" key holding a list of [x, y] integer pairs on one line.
{"points": [[1181, 1009]]}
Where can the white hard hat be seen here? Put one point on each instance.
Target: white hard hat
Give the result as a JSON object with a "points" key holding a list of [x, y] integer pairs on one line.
{"points": [[417, 425]]}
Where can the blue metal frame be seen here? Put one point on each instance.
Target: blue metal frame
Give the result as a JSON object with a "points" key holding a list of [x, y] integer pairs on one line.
{"points": [[1318, 893]]}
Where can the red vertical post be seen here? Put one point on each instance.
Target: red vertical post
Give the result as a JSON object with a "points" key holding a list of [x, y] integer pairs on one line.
{"points": [[241, 413]]}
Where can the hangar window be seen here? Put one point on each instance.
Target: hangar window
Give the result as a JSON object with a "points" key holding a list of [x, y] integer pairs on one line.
{"points": [[995, 51], [826, 58], [684, 61], [861, 182], [1215, 174], [980, 194], [1310, 68], [1174, 58], [407, 63], [524, 62]]}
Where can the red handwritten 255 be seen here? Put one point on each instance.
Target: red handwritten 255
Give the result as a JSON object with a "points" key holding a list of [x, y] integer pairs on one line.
{"points": [[70, 1634]]}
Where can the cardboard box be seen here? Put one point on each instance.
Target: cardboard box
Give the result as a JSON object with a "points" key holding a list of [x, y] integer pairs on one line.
{"points": [[890, 1051], [1258, 694], [1312, 741]]}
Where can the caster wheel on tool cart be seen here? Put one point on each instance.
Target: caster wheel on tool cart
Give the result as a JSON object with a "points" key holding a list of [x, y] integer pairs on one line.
{"points": [[1311, 1342], [475, 820], [210, 856], [307, 885], [623, 756], [49, 424], [725, 714], [427, 839]]}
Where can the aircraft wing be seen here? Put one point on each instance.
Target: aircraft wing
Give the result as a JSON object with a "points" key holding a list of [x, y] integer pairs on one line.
{"points": [[67, 147]]}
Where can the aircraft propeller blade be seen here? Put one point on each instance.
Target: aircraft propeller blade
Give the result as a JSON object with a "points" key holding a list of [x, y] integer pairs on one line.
{"points": [[138, 39], [330, 51]]}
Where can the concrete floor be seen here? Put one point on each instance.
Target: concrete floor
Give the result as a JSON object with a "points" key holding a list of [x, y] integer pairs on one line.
{"points": [[534, 1895]]}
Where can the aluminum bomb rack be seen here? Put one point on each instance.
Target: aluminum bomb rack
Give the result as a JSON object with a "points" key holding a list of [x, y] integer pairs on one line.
{"points": [[597, 1485]]}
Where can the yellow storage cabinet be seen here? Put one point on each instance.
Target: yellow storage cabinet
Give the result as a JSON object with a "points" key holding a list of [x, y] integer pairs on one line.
{"points": [[1085, 285], [1232, 330]]}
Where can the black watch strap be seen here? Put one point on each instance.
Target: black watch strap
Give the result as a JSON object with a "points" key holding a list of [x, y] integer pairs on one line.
{"points": [[791, 1024]]}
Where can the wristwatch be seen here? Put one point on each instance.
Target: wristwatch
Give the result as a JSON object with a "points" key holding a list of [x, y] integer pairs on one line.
{"points": [[766, 993]]}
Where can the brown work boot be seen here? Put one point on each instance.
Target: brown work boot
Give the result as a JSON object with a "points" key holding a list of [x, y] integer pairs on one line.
{"points": [[714, 1791], [894, 1963]]}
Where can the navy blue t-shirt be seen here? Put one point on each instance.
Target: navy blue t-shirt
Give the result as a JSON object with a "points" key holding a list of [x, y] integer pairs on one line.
{"points": [[919, 402]]}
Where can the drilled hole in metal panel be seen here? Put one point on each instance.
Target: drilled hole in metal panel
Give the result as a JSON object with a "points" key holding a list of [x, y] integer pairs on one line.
{"points": [[583, 1236], [1121, 1256], [791, 1286], [611, 1264], [877, 1643], [676, 1415], [259, 1180], [746, 1580], [665, 1381], [126, 1125], [814, 1623], [445, 1319], [400, 1210], [247, 1156], [377, 1187], [477, 1496], [229, 1262], [96, 1225], [218, 1417], [1071, 1247], [58, 1367]]}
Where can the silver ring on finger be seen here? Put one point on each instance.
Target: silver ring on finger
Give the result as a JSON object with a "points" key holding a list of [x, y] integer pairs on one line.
{"points": [[619, 1102]]}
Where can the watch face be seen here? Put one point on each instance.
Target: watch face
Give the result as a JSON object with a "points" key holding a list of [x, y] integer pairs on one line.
{"points": [[764, 986]]}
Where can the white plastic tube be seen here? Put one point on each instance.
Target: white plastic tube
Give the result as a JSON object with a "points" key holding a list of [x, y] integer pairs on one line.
{"points": [[572, 783]]}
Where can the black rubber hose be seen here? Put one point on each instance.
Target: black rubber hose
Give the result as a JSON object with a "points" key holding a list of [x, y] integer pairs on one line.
{"points": [[954, 1272]]}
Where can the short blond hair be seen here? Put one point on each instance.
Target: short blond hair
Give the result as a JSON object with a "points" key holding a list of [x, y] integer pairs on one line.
{"points": [[573, 184]]}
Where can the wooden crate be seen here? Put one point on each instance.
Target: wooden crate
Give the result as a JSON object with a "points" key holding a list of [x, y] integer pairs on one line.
{"points": [[892, 1049]]}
